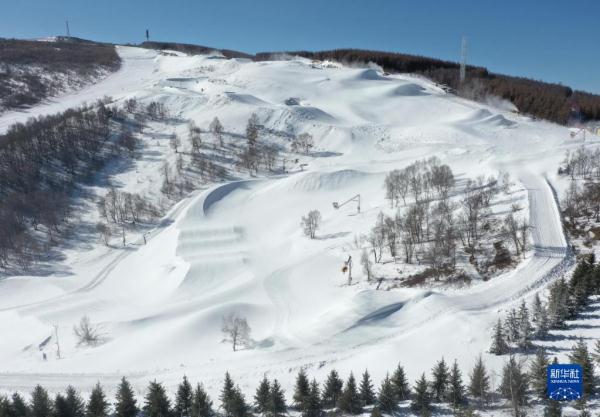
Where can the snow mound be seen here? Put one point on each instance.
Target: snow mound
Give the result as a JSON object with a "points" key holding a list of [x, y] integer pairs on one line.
{"points": [[313, 181], [408, 90], [486, 118], [245, 99], [312, 113], [369, 74]]}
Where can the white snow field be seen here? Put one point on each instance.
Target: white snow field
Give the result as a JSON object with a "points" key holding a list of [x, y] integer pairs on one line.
{"points": [[238, 247]]}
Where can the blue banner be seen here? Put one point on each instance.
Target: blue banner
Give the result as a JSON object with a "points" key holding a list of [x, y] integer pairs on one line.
{"points": [[565, 382]]}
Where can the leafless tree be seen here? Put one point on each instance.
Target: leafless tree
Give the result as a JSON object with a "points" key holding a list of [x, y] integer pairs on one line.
{"points": [[310, 223], [252, 130], [366, 265], [174, 142], [236, 330], [104, 232], [216, 129], [86, 332], [303, 143]]}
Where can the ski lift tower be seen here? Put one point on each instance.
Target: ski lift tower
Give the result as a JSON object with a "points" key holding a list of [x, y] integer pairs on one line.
{"points": [[356, 198]]}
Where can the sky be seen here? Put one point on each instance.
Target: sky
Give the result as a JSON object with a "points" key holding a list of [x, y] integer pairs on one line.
{"points": [[551, 40]]}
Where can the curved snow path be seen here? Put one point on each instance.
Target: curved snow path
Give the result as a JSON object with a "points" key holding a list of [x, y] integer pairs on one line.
{"points": [[135, 72]]}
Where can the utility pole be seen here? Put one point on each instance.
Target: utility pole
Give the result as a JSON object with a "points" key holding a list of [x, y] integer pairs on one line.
{"points": [[147, 35], [68, 31], [463, 60], [57, 343]]}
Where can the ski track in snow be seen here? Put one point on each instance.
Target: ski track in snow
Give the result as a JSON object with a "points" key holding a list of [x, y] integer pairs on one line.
{"points": [[237, 247]]}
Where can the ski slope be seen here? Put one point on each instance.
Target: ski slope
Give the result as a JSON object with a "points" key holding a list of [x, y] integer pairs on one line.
{"points": [[237, 246]]}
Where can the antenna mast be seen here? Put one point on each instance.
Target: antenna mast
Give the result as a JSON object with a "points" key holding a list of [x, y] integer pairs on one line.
{"points": [[68, 31], [463, 60]]}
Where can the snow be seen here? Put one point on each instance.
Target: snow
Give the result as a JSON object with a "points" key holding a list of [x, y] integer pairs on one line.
{"points": [[237, 246]]}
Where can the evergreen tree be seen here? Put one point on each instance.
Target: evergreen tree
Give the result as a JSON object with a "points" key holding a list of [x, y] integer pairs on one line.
{"points": [[499, 345], [301, 390], [456, 389], [126, 404], [40, 405], [350, 401], [332, 390], [313, 406], [538, 374], [5, 407], [238, 406], [61, 407], [558, 304], [376, 412], [539, 318], [386, 398], [16, 407], [400, 382], [201, 403], [479, 384], [421, 403], [439, 383], [514, 384], [262, 396], [552, 409], [525, 329], [183, 399], [97, 406], [157, 403], [367, 394], [228, 394], [585, 413], [75, 404], [276, 406], [581, 356]]}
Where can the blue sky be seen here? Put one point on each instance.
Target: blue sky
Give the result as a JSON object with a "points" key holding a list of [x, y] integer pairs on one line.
{"points": [[552, 40]]}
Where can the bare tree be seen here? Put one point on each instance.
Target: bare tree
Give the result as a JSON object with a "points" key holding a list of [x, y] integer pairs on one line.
{"points": [[174, 142], [86, 332], [304, 143], [104, 232], [252, 130], [366, 264], [216, 129], [236, 330], [310, 223]]}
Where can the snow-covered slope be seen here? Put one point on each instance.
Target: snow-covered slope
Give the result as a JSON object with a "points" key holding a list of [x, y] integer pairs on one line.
{"points": [[237, 247]]}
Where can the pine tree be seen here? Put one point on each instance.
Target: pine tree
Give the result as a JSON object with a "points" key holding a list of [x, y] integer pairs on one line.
{"points": [[514, 384], [539, 318], [367, 394], [421, 402], [227, 395], [479, 384], [525, 329], [97, 405], [439, 382], [581, 356], [400, 382], [537, 374], [313, 406], [75, 404], [262, 396], [301, 390], [350, 401], [596, 353], [157, 403], [126, 404], [5, 407], [183, 399], [61, 408], [585, 413], [552, 409], [17, 407], [332, 390], [456, 389], [276, 405], [201, 403], [499, 345], [387, 400], [238, 406], [558, 304]]}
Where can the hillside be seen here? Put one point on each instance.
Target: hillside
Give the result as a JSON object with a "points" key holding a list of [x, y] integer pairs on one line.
{"points": [[32, 71], [225, 233]]}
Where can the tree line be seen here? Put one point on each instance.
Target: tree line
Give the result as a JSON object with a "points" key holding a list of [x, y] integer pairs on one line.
{"points": [[445, 387], [548, 101]]}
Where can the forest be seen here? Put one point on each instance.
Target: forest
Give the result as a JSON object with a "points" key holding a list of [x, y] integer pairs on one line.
{"points": [[31, 71]]}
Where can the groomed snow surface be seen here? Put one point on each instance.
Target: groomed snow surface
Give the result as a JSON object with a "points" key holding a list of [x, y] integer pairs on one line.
{"points": [[238, 247]]}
